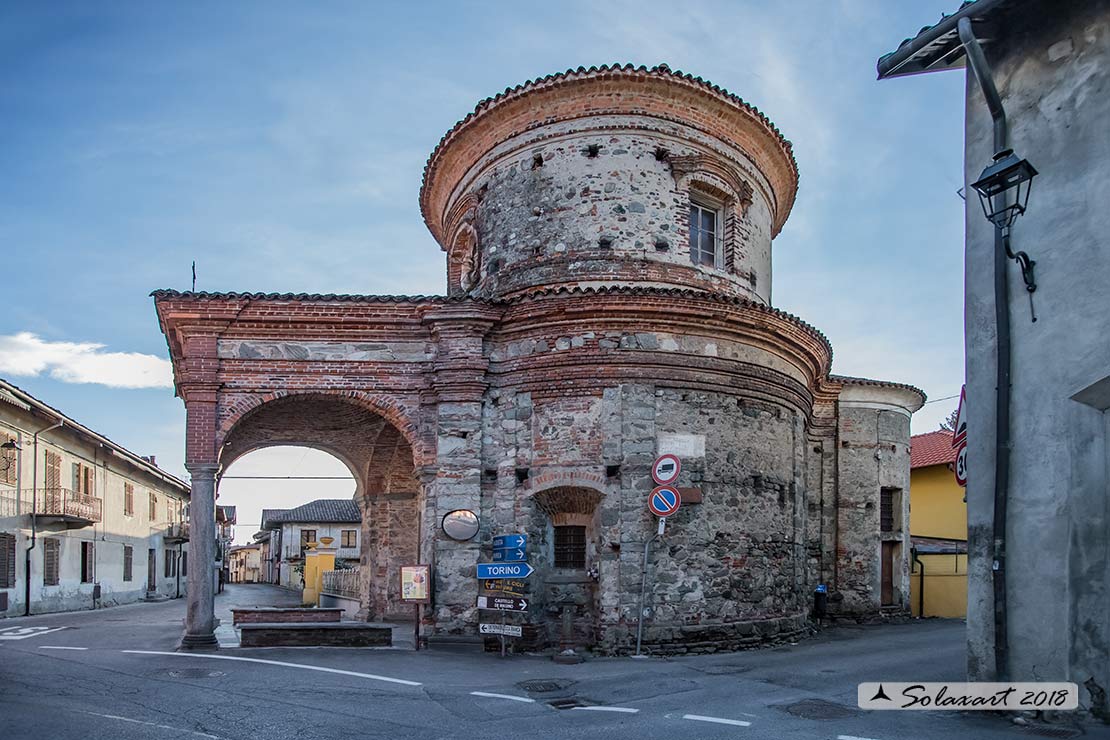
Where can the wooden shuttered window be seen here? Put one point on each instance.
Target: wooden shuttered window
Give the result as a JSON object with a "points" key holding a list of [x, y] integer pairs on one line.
{"points": [[7, 560], [53, 473], [51, 557], [171, 563], [88, 562], [350, 538], [128, 562], [128, 501], [84, 479], [153, 507]]}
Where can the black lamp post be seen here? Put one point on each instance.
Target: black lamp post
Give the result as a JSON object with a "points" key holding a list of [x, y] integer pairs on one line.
{"points": [[11, 444], [1005, 175]]}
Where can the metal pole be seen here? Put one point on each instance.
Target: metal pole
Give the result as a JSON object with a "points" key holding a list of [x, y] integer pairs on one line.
{"points": [[643, 588]]}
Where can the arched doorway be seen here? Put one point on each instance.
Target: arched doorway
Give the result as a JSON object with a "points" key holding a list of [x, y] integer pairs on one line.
{"points": [[380, 459]]}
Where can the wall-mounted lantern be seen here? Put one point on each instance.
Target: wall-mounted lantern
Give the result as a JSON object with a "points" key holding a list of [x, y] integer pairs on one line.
{"points": [[1004, 187]]}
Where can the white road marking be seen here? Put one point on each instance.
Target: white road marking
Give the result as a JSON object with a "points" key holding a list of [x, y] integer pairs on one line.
{"points": [[717, 720], [851, 737], [59, 647], [152, 724], [305, 666], [626, 710], [22, 633], [503, 696]]}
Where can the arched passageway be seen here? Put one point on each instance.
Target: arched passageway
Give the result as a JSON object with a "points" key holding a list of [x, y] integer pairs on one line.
{"points": [[380, 459]]}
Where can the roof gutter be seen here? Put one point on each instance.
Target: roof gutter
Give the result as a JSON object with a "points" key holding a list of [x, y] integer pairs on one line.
{"points": [[892, 64]]}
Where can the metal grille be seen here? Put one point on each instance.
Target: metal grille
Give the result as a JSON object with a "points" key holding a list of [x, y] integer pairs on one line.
{"points": [[570, 547], [886, 510]]}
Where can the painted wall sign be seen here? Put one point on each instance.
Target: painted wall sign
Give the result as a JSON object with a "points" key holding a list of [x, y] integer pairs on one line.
{"points": [[681, 445], [416, 584]]}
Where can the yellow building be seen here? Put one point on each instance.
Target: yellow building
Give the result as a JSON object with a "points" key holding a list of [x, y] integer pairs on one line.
{"points": [[938, 529]]}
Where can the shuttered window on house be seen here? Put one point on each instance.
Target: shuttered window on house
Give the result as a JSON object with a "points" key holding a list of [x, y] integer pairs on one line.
{"points": [[88, 562], [350, 538], [84, 479], [53, 465], [7, 560], [128, 562], [9, 469], [168, 560], [570, 547], [153, 507], [184, 564], [128, 500], [51, 551]]}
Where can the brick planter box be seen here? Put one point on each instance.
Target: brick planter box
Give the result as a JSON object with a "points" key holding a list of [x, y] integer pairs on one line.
{"points": [[320, 634], [280, 615]]}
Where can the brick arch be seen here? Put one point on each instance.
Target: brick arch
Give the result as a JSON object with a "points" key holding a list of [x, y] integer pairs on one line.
{"points": [[393, 411], [559, 501]]}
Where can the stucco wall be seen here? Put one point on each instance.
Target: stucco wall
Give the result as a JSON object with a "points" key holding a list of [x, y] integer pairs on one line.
{"points": [[1053, 71]]}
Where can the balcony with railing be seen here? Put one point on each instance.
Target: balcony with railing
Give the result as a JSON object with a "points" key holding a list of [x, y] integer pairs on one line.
{"points": [[63, 506], [176, 532]]}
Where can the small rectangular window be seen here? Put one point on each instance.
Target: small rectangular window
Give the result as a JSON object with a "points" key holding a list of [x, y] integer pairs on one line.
{"points": [[307, 535], [350, 538], [890, 504], [570, 547], [705, 234], [153, 507], [88, 562], [128, 562], [128, 499], [169, 563], [51, 551]]}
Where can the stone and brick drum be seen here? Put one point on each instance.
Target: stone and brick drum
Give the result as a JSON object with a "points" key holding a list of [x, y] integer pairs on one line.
{"points": [[608, 244]]}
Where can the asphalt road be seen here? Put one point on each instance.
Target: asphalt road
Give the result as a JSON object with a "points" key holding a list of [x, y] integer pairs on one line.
{"points": [[113, 674]]}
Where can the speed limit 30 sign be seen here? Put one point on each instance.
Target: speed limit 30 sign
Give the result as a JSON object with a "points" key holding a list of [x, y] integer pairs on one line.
{"points": [[961, 465]]}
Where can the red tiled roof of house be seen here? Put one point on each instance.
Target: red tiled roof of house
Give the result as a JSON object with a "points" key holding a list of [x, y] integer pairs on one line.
{"points": [[933, 448]]}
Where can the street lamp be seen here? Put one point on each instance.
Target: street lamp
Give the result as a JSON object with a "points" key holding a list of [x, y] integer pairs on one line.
{"points": [[12, 445], [1005, 175]]}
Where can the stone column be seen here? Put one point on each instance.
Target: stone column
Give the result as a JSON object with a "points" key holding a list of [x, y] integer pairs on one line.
{"points": [[200, 617]]}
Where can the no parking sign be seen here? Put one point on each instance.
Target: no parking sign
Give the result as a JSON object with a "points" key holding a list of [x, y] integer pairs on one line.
{"points": [[664, 501]]}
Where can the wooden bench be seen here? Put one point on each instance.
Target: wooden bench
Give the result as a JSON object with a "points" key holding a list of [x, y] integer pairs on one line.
{"points": [[284, 615], [315, 634]]}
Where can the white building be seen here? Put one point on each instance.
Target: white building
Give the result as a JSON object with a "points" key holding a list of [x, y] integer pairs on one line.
{"points": [[90, 523], [291, 529]]}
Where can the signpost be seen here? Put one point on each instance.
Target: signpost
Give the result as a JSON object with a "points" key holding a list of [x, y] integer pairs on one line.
{"points": [[416, 589], [503, 603], [487, 571], [665, 469], [959, 441], [505, 630], [503, 584]]}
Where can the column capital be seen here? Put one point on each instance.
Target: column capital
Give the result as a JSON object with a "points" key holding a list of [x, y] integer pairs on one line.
{"points": [[203, 470]]}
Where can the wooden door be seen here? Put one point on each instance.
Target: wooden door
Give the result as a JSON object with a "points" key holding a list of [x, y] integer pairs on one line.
{"points": [[888, 573], [152, 570]]}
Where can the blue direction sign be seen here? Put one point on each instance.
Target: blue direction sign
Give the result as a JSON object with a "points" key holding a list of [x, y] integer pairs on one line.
{"points": [[510, 540], [508, 555], [486, 571]]}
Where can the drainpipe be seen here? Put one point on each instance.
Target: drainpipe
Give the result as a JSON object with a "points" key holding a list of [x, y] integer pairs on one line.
{"points": [[921, 589], [979, 67], [34, 514]]}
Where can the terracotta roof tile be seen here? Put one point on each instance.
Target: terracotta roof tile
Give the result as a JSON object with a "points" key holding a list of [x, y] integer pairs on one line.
{"points": [[322, 510], [933, 448]]}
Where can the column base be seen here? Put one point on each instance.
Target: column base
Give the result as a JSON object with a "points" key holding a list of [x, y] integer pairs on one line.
{"points": [[199, 642]]}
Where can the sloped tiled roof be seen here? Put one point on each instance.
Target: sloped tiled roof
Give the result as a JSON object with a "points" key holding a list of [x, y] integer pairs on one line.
{"points": [[938, 46], [322, 510], [933, 448], [271, 515]]}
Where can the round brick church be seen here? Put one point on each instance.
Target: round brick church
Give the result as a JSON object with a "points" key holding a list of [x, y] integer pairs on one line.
{"points": [[608, 245]]}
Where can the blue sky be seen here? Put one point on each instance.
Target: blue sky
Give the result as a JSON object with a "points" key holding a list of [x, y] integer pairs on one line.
{"points": [[281, 146]]}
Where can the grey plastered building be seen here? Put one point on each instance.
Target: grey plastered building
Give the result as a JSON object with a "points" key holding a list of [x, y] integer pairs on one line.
{"points": [[1051, 64]]}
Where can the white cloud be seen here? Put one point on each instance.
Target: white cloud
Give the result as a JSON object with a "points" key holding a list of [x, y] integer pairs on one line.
{"points": [[26, 354]]}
